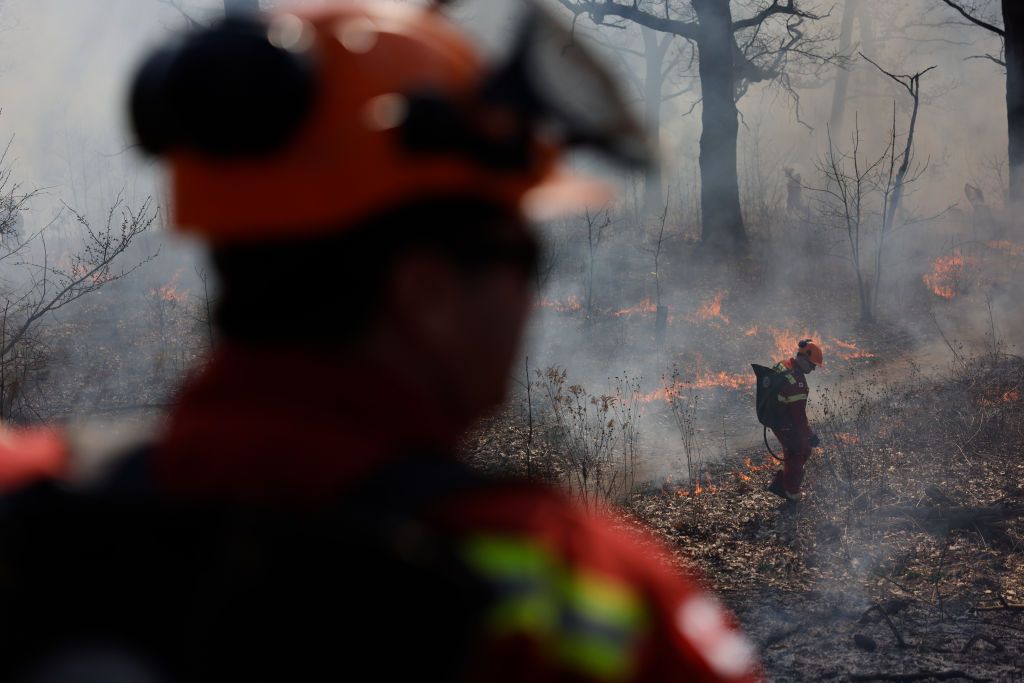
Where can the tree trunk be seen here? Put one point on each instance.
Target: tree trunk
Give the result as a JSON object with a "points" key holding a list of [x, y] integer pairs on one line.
{"points": [[1013, 23], [721, 217], [843, 75], [654, 51]]}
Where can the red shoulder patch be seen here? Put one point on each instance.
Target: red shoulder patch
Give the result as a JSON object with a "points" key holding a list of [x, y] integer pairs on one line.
{"points": [[30, 455]]}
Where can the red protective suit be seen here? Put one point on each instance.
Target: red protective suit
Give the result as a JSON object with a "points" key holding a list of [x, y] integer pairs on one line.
{"points": [[795, 434]]}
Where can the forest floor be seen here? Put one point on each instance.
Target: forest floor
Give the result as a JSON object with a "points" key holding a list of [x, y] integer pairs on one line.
{"points": [[905, 559]]}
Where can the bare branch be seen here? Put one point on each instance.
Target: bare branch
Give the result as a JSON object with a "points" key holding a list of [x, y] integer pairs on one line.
{"points": [[777, 7], [975, 20], [598, 11]]}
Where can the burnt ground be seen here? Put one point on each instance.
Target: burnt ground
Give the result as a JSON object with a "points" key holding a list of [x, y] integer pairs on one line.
{"points": [[905, 561]]}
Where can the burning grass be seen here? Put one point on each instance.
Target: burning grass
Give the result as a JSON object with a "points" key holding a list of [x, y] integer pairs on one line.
{"points": [[914, 509], [907, 553], [947, 275]]}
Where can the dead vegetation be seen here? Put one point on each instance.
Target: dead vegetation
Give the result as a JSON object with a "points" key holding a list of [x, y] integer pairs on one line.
{"points": [[904, 561]]}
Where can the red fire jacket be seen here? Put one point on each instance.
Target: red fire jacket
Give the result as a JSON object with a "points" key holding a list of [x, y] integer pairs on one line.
{"points": [[796, 432], [574, 597]]}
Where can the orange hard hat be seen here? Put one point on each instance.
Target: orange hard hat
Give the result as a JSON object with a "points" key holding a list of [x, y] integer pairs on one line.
{"points": [[811, 351], [376, 104]]}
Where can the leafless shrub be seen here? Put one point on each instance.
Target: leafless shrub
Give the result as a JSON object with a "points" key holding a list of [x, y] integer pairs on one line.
{"points": [[596, 437], [46, 284]]}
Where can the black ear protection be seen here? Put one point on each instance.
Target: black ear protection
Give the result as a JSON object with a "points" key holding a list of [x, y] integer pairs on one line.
{"points": [[804, 342], [224, 91]]}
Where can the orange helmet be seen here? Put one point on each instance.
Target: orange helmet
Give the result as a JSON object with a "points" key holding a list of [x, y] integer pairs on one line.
{"points": [[810, 351], [311, 119]]}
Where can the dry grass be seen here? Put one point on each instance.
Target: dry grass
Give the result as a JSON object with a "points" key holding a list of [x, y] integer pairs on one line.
{"points": [[906, 554]]}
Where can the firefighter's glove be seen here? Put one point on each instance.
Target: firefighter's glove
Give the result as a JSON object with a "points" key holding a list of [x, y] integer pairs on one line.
{"points": [[814, 441]]}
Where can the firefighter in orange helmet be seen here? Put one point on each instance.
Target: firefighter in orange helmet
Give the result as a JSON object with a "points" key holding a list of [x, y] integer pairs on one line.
{"points": [[795, 433], [364, 180]]}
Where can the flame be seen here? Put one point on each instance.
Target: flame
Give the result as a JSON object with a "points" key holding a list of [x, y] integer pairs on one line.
{"points": [[708, 380], [711, 310], [850, 351], [81, 271], [946, 274], [786, 341], [751, 467], [169, 292], [1011, 396], [644, 307], [570, 305]]}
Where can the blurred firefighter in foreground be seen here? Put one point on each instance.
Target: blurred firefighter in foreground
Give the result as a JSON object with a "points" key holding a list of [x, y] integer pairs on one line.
{"points": [[793, 430], [363, 181]]}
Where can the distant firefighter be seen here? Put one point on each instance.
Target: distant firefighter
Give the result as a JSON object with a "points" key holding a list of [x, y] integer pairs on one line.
{"points": [[782, 407], [363, 179]]}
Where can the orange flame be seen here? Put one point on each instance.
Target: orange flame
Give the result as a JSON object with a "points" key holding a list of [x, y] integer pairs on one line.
{"points": [[945, 276], [1011, 396], [169, 292], [644, 307], [786, 341], [708, 380], [847, 438], [711, 310], [570, 305], [751, 467], [850, 351]]}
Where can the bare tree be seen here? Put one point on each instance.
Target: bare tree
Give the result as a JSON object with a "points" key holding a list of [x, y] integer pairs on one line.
{"points": [[854, 12], [597, 222], [862, 196], [733, 54], [1012, 35], [47, 284]]}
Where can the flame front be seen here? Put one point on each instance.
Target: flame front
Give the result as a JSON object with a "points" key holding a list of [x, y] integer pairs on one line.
{"points": [[947, 271], [711, 310], [644, 307], [850, 351], [570, 305], [708, 380], [170, 292]]}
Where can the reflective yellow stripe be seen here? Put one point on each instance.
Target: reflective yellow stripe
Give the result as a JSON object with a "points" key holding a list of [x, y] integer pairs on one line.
{"points": [[796, 398], [781, 367], [604, 601], [587, 622]]}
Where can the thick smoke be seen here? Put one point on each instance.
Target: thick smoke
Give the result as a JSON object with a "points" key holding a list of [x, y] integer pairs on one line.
{"points": [[64, 66]]}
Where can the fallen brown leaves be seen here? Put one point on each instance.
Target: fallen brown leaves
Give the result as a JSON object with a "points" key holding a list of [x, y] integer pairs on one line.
{"points": [[903, 562]]}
